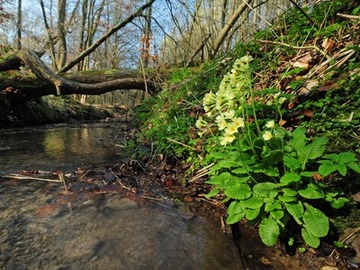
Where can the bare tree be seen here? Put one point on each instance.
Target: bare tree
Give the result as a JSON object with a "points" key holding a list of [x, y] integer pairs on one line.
{"points": [[19, 24], [61, 33]]}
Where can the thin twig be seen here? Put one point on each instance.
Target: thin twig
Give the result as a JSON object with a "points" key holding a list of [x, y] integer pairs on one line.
{"points": [[185, 145], [62, 179], [200, 173], [347, 16], [22, 177], [296, 47]]}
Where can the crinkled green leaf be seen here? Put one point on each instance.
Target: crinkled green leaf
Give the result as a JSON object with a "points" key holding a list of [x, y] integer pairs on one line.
{"points": [[326, 169], [296, 209], [299, 138], [341, 169], [291, 162], [277, 214], [239, 170], [251, 214], [309, 238], [212, 193], [289, 192], [317, 223], [220, 179], [354, 166], [231, 219], [290, 177], [313, 150], [339, 202], [346, 157], [285, 198], [239, 191], [254, 202], [269, 231], [266, 189], [311, 193], [235, 207]]}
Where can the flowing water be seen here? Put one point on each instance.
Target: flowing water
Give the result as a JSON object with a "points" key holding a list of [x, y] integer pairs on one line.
{"points": [[41, 228]]}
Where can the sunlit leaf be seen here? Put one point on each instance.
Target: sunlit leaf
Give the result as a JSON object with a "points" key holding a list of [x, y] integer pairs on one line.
{"points": [[346, 157], [251, 214], [311, 193], [317, 223], [266, 189], [326, 169], [296, 209], [269, 231], [341, 169], [309, 238], [291, 162], [239, 191], [290, 177], [313, 150], [212, 193], [354, 166], [231, 219], [339, 202], [254, 202], [277, 214]]}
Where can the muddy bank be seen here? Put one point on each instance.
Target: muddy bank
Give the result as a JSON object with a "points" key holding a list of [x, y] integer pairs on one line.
{"points": [[46, 110]]}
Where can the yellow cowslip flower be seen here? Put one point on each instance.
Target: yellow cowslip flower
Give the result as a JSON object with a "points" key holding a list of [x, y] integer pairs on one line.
{"points": [[219, 102], [209, 99], [229, 114], [227, 138], [207, 108], [238, 122], [221, 122], [267, 135], [231, 128], [270, 124], [201, 123], [281, 100]]}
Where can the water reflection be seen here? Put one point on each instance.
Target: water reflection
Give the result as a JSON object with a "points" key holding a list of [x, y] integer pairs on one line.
{"points": [[57, 148]]}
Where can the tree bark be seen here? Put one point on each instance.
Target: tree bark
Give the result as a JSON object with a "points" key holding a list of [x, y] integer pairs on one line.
{"points": [[49, 83]]}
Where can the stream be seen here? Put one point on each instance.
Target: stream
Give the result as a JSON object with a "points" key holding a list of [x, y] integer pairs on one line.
{"points": [[43, 227]]}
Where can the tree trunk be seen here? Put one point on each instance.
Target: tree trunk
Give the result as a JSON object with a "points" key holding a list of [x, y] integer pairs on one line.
{"points": [[61, 32], [49, 83], [229, 24]]}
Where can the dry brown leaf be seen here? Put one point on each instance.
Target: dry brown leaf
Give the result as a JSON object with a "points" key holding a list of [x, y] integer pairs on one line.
{"points": [[308, 86], [308, 113], [299, 64]]}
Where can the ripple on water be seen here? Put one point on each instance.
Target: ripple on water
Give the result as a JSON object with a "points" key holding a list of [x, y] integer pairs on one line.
{"points": [[114, 234]]}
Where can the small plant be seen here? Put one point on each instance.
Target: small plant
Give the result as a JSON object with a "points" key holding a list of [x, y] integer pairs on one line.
{"points": [[267, 173]]}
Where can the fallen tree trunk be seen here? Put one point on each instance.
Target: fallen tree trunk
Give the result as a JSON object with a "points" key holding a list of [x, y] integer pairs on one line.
{"points": [[49, 83]]}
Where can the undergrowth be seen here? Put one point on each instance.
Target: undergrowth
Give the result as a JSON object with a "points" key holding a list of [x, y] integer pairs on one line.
{"points": [[314, 68]]}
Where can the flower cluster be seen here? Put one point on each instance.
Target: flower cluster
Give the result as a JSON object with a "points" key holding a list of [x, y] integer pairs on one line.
{"points": [[227, 105]]}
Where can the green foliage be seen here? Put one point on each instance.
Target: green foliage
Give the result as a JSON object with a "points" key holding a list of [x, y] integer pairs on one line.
{"points": [[168, 118], [269, 174]]}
